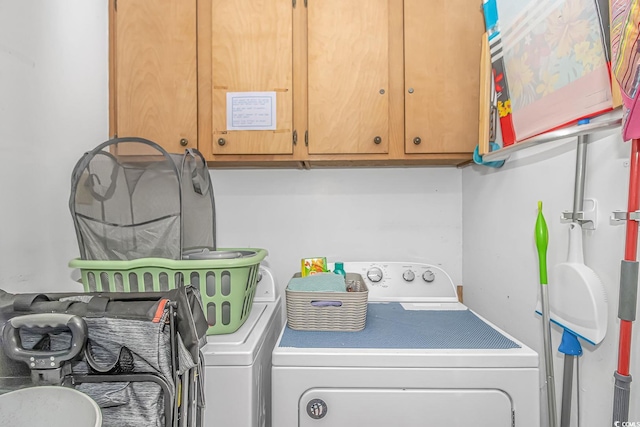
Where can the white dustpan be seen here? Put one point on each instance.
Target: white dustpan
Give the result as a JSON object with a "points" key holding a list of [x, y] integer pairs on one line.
{"points": [[577, 297]]}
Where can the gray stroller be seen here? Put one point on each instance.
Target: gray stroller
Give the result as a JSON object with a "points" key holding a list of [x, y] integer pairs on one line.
{"points": [[136, 354]]}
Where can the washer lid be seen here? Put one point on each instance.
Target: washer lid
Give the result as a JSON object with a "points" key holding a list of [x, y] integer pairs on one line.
{"points": [[241, 347]]}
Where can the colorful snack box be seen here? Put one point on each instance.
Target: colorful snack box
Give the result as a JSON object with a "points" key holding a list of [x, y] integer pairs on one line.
{"points": [[313, 265]]}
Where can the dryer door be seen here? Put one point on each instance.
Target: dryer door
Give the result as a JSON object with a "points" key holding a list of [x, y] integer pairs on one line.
{"points": [[404, 407]]}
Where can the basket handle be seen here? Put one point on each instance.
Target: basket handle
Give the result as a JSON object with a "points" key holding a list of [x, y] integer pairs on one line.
{"points": [[92, 183], [199, 183], [326, 303]]}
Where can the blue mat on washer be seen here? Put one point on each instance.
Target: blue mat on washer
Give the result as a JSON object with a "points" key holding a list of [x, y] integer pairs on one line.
{"points": [[391, 326]]}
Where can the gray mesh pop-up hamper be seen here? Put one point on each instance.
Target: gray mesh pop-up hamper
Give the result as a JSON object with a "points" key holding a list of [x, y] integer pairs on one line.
{"points": [[145, 221], [131, 199]]}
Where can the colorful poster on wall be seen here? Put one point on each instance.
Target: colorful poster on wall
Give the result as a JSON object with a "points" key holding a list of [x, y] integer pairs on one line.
{"points": [[500, 84], [626, 61], [555, 63]]}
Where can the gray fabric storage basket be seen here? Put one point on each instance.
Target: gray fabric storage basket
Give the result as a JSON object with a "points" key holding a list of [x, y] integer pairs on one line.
{"points": [[347, 311], [131, 199]]}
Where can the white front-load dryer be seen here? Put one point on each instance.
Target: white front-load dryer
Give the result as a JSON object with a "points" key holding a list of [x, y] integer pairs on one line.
{"points": [[423, 359]]}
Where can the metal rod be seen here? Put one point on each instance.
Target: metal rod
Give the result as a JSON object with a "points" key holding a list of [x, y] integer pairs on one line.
{"points": [[567, 391], [548, 357], [578, 392], [581, 167], [578, 206], [610, 122]]}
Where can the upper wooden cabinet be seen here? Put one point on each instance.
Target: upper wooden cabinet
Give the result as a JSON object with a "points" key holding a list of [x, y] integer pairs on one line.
{"points": [[153, 79], [348, 77], [252, 52], [379, 82], [441, 75]]}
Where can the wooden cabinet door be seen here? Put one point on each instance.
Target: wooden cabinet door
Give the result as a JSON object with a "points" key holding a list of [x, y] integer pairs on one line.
{"points": [[442, 59], [154, 91], [348, 76], [252, 51]]}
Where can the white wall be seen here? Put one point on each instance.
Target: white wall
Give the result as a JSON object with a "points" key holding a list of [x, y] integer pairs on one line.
{"points": [[412, 214], [500, 269], [54, 107]]}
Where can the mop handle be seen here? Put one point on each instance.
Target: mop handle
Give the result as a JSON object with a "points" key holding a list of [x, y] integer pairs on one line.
{"points": [[628, 296], [542, 242], [631, 242], [630, 254]]}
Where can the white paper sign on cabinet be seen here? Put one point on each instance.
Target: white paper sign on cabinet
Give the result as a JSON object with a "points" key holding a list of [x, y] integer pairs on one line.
{"points": [[251, 111]]}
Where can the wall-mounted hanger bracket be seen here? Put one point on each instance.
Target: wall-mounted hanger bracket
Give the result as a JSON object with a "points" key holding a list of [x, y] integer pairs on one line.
{"points": [[619, 216], [587, 217]]}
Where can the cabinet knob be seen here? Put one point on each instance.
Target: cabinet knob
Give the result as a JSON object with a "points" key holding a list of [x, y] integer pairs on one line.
{"points": [[417, 140], [377, 140], [184, 142], [410, 90], [221, 142]]}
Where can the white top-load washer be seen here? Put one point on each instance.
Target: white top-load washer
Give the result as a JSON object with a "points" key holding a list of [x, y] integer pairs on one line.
{"points": [[237, 373], [423, 359]]}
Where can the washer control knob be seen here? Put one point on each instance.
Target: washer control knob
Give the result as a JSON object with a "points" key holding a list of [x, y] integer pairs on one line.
{"points": [[428, 276], [374, 274], [408, 276]]}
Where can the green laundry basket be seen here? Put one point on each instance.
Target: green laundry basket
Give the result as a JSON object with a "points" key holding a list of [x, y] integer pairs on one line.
{"points": [[227, 285]]}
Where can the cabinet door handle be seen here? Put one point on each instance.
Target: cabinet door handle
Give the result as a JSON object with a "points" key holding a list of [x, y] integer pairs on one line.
{"points": [[377, 140], [221, 141], [417, 140], [184, 142]]}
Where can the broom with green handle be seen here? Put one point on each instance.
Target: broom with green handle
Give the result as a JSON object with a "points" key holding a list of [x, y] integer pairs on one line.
{"points": [[542, 241]]}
